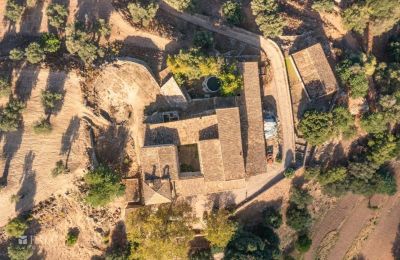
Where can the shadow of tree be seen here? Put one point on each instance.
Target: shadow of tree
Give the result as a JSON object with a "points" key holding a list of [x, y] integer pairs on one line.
{"points": [[222, 200], [69, 136], [27, 79], [27, 190], [252, 214], [396, 245], [12, 144], [55, 83], [111, 143]]}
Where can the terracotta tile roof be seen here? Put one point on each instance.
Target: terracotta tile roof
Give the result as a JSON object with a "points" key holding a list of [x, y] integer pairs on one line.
{"points": [[315, 71], [159, 161], [231, 143], [252, 120], [159, 195], [211, 160]]}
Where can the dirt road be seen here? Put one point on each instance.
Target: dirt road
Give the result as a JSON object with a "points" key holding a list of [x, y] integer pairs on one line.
{"points": [[279, 81]]}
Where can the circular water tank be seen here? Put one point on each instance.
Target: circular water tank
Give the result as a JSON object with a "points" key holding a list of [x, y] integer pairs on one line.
{"points": [[211, 84]]}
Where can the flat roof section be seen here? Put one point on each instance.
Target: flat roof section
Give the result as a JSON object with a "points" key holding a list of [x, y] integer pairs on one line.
{"points": [[252, 123], [159, 161]]}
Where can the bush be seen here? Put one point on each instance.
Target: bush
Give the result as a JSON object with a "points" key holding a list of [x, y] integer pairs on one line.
{"points": [[375, 123], [42, 126], [104, 186], [382, 149], [323, 5], [311, 172], [19, 252], [10, 117], [5, 87], [272, 217], [50, 99], [13, 11], [59, 169], [203, 39], [300, 197], [142, 13], [353, 74], [57, 15], [16, 54], [72, 236], [231, 81], [180, 5], [16, 227], [303, 243], [343, 120], [103, 28], [232, 12], [50, 42], [298, 218], [34, 53], [333, 175], [289, 173]]}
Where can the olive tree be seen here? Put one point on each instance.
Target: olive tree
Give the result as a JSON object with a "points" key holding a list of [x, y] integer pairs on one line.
{"points": [[57, 15], [34, 53], [142, 13], [13, 11]]}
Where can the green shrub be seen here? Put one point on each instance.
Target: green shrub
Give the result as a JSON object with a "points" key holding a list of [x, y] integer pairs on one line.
{"points": [[231, 10], [332, 175], [311, 173], [382, 149], [104, 185], [267, 18], [375, 123], [180, 5], [323, 5], [353, 74], [300, 197], [19, 252], [16, 227], [59, 169], [5, 87], [297, 218], [203, 39], [103, 28], [42, 126], [16, 54], [34, 53], [57, 15], [10, 116], [13, 11], [72, 236], [50, 42], [316, 127], [272, 217], [142, 13], [50, 99], [289, 173], [303, 243]]}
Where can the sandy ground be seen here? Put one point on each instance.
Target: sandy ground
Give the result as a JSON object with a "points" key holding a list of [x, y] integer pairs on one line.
{"points": [[34, 22], [28, 158]]}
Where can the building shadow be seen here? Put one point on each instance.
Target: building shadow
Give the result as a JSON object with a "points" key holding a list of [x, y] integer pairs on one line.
{"points": [[111, 143], [28, 187], [253, 213], [396, 245], [221, 200], [11, 146]]}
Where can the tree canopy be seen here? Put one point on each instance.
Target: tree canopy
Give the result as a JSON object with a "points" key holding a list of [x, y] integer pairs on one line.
{"points": [[166, 228], [220, 229], [104, 185], [142, 13], [232, 12], [268, 19], [10, 116], [57, 15]]}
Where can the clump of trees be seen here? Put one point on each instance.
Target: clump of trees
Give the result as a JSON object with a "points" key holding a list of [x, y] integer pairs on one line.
{"points": [[13, 11], [231, 10], [319, 127], [11, 115], [57, 15], [142, 13], [268, 19], [191, 65], [299, 218], [259, 241], [379, 15], [80, 40], [354, 70], [166, 227], [104, 185], [203, 39]]}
